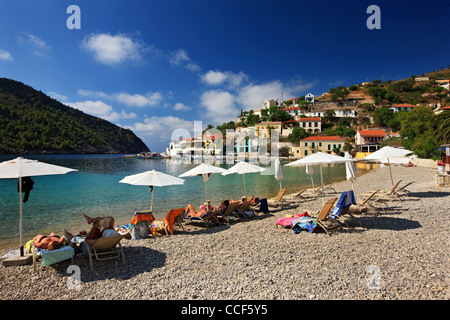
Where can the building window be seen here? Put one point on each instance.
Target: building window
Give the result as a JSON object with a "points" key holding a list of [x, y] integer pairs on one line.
{"points": [[320, 144], [306, 152], [329, 147]]}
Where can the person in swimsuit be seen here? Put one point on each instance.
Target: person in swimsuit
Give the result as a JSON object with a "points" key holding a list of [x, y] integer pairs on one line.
{"points": [[99, 225], [50, 242]]}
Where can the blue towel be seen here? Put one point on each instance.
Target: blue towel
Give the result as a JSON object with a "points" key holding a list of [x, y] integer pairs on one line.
{"points": [[263, 205], [346, 199]]}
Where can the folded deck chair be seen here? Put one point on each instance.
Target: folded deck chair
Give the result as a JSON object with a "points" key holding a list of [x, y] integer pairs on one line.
{"points": [[206, 218], [329, 186], [105, 248], [346, 199], [174, 216], [229, 211]]}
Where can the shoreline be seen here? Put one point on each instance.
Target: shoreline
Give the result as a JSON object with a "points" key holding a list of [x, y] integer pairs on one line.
{"points": [[407, 245]]}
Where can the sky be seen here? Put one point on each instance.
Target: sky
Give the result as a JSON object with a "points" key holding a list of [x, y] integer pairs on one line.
{"points": [[156, 66]]}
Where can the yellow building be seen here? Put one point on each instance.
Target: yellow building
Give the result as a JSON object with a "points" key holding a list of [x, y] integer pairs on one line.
{"points": [[311, 145], [266, 127]]}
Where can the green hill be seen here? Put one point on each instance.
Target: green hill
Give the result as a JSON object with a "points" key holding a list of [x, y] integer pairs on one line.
{"points": [[32, 122]]}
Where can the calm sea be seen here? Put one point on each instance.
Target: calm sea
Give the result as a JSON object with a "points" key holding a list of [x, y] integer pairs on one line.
{"points": [[57, 202]]}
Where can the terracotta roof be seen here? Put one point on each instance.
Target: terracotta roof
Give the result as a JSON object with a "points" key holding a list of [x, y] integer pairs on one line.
{"points": [[269, 123], [290, 108], [403, 106], [310, 119], [323, 138], [372, 133]]}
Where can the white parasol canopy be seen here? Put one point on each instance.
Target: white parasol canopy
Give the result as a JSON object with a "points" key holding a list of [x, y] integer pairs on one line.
{"points": [[153, 179], [205, 170], [319, 158], [387, 152], [243, 167], [21, 167], [310, 171]]}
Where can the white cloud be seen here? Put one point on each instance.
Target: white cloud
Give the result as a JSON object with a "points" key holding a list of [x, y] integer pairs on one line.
{"points": [[219, 106], [36, 44], [5, 55], [100, 109], [112, 50], [180, 57], [227, 77], [180, 106], [253, 95], [132, 100], [138, 100], [161, 128], [57, 96]]}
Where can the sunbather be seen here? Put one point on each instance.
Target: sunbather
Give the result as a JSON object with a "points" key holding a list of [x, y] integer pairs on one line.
{"points": [[50, 242], [99, 226], [190, 211]]}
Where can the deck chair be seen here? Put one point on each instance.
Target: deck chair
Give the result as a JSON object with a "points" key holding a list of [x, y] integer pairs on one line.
{"points": [[385, 193], [51, 257], [321, 220], [104, 249], [229, 211], [278, 200], [173, 217], [404, 189], [244, 207], [325, 188], [206, 218], [346, 199]]}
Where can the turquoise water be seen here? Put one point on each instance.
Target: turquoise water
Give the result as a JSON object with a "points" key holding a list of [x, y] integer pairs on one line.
{"points": [[57, 202]]}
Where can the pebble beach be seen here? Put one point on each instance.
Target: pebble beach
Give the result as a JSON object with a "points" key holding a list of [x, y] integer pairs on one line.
{"points": [[400, 254]]}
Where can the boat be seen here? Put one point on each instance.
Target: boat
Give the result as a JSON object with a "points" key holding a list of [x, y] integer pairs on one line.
{"points": [[148, 155]]}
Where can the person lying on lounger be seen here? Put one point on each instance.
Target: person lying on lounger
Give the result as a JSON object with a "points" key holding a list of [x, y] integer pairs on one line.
{"points": [[190, 211], [99, 226], [50, 242]]}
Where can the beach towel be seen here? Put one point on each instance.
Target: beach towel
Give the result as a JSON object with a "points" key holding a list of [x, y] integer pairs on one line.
{"points": [[142, 216], [304, 223], [346, 199], [288, 221], [169, 220]]}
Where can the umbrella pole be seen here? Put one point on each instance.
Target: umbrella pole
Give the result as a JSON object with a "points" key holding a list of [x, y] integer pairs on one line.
{"points": [[20, 217], [390, 171], [312, 181], [245, 189], [206, 190], [321, 181], [152, 199]]}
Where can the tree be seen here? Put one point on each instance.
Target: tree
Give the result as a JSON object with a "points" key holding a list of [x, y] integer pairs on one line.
{"points": [[382, 116], [297, 135], [339, 94], [418, 129]]}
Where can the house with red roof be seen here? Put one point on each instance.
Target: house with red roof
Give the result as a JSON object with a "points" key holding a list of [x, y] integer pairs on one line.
{"points": [[310, 145], [311, 124], [402, 107], [369, 140]]}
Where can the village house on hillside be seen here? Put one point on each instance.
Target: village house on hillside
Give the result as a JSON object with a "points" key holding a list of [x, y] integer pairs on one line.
{"points": [[368, 141], [314, 144]]}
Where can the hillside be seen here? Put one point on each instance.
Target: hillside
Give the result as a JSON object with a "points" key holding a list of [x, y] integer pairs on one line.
{"points": [[31, 122]]}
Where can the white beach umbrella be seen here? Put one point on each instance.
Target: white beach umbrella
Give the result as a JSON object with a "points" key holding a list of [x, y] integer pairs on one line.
{"points": [[21, 167], [243, 167], [319, 158], [350, 170], [310, 171], [205, 170], [387, 152], [152, 179], [278, 171]]}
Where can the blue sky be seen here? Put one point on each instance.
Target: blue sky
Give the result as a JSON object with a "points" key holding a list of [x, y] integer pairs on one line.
{"points": [[156, 66]]}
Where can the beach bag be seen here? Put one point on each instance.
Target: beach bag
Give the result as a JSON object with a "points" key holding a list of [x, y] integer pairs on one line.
{"points": [[263, 206], [139, 231]]}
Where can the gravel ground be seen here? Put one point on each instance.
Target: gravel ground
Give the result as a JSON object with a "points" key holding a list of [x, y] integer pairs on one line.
{"points": [[400, 254]]}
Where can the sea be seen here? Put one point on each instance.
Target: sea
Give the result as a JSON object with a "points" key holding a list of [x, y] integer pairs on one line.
{"points": [[57, 202]]}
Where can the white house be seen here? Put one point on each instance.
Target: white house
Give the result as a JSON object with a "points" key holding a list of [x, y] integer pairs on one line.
{"points": [[402, 107], [310, 98]]}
